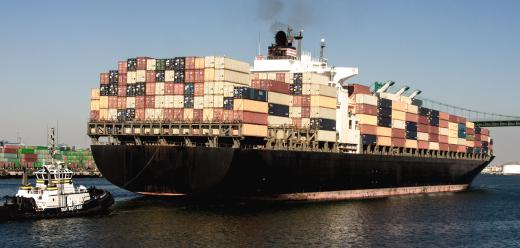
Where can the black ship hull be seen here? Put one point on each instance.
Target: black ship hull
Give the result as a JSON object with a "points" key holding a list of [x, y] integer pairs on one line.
{"points": [[277, 174]]}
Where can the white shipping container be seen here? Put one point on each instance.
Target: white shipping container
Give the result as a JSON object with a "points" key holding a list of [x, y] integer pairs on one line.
{"points": [[103, 114], [159, 114], [399, 124], [209, 74], [443, 131], [423, 136], [314, 78], [218, 101], [131, 77], [231, 64], [169, 75], [295, 112], [412, 109], [233, 76], [207, 114], [228, 90], [178, 101], [149, 114], [306, 89], [208, 88], [327, 136], [169, 102], [159, 101], [130, 102], [306, 122], [279, 98], [208, 101], [278, 120], [323, 90], [321, 112], [159, 89], [103, 102], [150, 64], [94, 94], [218, 88], [94, 104], [198, 102], [461, 142], [112, 114], [366, 99], [209, 61]]}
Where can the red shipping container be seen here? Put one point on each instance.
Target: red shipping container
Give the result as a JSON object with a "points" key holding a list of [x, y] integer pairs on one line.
{"points": [[412, 117], [443, 123], [121, 90], [218, 114], [150, 77], [140, 102], [478, 144], [228, 115], [189, 76], [398, 133], [297, 101], [398, 142], [199, 76], [280, 76], [434, 130], [366, 109], [478, 137], [443, 139], [169, 88], [250, 117], [367, 129], [297, 122], [122, 67], [354, 89], [421, 144], [306, 112], [168, 114], [484, 137], [434, 137], [141, 63], [139, 114], [423, 128], [271, 85], [461, 120], [444, 147], [94, 115], [178, 89], [122, 79], [197, 114], [199, 89], [150, 89], [178, 114], [453, 148], [423, 120], [306, 101], [112, 102], [470, 131], [484, 131], [121, 102], [461, 149], [149, 102], [453, 118], [103, 78], [190, 63], [444, 116]]}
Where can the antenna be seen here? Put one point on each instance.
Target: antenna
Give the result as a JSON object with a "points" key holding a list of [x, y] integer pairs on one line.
{"points": [[258, 44], [299, 38], [322, 48]]}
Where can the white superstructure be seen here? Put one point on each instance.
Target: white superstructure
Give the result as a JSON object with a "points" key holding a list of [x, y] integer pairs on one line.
{"points": [[511, 169]]}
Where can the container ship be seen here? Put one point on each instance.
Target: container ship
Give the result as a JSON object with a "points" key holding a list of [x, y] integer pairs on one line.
{"points": [[290, 127]]}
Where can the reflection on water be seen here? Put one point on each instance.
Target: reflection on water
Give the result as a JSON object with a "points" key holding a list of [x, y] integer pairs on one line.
{"points": [[487, 215]]}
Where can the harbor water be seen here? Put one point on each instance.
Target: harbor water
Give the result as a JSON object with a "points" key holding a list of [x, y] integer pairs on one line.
{"points": [[488, 215]]}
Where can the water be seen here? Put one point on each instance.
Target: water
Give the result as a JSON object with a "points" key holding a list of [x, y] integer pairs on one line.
{"points": [[486, 216]]}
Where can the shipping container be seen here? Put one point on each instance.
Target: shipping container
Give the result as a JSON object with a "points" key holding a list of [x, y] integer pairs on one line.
{"points": [[250, 105]]}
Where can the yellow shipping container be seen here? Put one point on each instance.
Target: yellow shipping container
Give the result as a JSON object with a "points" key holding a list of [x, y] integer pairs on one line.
{"points": [[103, 114], [470, 124], [178, 101], [254, 130], [231, 64], [250, 105], [207, 114], [410, 144], [453, 133], [103, 102], [112, 114], [444, 131], [412, 109], [453, 140], [384, 131], [295, 112], [188, 114], [398, 115], [199, 62], [168, 101], [433, 146], [131, 77], [149, 114], [399, 106], [314, 78], [366, 99], [94, 104], [278, 120], [367, 119], [323, 101], [159, 101], [130, 102], [321, 112], [233, 76], [209, 74], [453, 126], [399, 124], [306, 122], [159, 114], [470, 143], [279, 98], [384, 141], [326, 136], [94, 94], [461, 142]]}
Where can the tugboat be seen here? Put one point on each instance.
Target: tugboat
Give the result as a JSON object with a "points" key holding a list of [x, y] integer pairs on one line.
{"points": [[54, 196]]}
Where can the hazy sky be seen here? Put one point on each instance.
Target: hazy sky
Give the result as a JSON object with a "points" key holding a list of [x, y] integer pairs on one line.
{"points": [[464, 53]]}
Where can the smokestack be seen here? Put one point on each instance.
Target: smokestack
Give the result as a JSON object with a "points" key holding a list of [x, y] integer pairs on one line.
{"points": [[322, 47], [299, 38]]}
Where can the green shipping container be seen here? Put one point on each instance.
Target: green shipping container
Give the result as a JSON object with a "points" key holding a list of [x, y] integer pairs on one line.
{"points": [[160, 64], [26, 151]]}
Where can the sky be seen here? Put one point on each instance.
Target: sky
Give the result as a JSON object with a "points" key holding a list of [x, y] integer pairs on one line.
{"points": [[464, 53]]}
